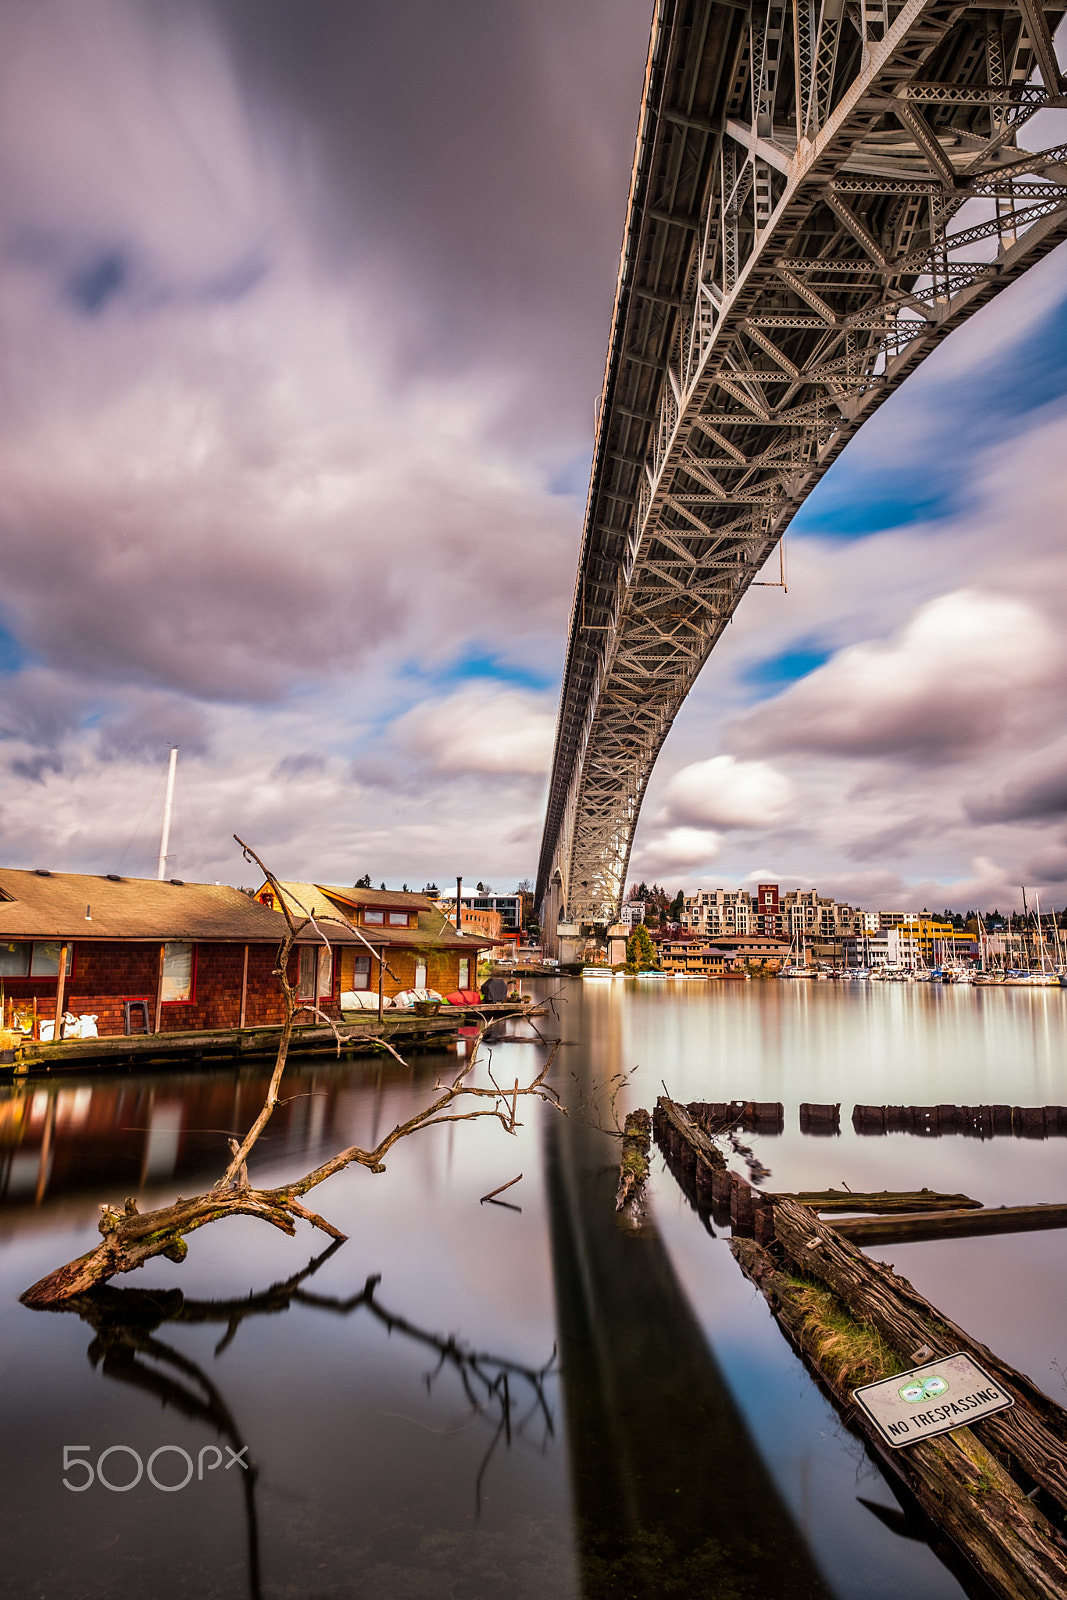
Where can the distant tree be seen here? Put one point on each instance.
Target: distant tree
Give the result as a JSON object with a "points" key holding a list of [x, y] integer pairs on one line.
{"points": [[678, 906], [432, 890], [383, 885], [525, 891], [640, 952], [364, 882]]}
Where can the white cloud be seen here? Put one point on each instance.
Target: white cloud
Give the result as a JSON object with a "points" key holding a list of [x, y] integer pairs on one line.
{"points": [[963, 667], [677, 850], [724, 792], [482, 729]]}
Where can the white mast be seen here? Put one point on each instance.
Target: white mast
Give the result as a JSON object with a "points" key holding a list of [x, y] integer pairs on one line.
{"points": [[167, 805]]}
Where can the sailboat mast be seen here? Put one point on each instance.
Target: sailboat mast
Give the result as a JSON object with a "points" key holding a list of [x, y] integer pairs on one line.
{"points": [[168, 804]]}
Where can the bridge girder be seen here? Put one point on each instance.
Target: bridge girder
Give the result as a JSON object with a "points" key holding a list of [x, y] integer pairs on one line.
{"points": [[793, 249]]}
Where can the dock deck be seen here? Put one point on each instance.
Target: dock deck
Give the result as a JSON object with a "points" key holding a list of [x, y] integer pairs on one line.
{"points": [[401, 1029]]}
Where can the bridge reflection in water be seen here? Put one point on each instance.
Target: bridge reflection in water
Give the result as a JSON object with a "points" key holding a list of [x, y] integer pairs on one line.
{"points": [[671, 1496]]}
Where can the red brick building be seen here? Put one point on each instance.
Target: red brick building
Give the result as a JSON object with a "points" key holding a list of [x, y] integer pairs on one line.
{"points": [[146, 956]]}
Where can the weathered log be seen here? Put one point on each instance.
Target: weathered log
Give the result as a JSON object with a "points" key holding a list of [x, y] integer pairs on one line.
{"points": [[633, 1166], [936, 1224], [959, 1484], [693, 1139], [884, 1202], [1034, 1431]]}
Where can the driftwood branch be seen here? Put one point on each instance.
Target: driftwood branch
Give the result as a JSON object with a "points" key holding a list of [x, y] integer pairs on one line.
{"points": [[131, 1239]]}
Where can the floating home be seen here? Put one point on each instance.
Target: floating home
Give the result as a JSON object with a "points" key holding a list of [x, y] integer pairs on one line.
{"points": [[412, 943], [132, 955]]}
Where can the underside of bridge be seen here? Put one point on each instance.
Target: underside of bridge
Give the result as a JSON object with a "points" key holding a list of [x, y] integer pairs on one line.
{"points": [[822, 190]]}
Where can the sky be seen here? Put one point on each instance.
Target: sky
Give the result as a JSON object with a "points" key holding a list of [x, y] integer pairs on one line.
{"points": [[303, 312]]}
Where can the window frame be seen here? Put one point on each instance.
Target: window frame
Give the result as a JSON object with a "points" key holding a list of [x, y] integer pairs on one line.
{"points": [[357, 971], [307, 972], [190, 998]]}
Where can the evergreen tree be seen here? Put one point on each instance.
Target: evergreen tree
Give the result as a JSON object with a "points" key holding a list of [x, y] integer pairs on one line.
{"points": [[640, 952]]}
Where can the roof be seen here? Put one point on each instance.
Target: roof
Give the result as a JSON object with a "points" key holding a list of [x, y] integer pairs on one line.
{"points": [[74, 905], [433, 931]]}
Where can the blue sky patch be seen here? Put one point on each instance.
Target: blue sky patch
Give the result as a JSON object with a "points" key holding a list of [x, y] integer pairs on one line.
{"points": [[778, 671], [12, 656], [476, 665], [93, 286], [572, 478], [964, 417]]}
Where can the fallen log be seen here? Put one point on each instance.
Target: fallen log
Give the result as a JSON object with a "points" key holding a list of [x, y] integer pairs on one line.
{"points": [[960, 1485], [885, 1201], [702, 1147], [633, 1166], [937, 1224], [1033, 1433]]}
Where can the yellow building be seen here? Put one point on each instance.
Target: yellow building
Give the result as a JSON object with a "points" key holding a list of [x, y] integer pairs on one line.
{"points": [[924, 941]]}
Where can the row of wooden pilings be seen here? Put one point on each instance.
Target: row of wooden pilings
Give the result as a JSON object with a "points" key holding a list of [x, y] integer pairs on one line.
{"points": [[703, 1174], [996, 1488]]}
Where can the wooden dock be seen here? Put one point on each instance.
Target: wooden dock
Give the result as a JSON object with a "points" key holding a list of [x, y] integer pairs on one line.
{"points": [[404, 1030], [997, 1488]]}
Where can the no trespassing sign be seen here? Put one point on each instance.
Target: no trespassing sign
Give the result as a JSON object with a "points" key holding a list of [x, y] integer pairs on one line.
{"points": [[951, 1392]]}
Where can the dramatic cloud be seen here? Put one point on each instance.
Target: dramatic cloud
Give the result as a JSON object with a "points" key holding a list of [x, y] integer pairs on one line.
{"points": [[1038, 797], [727, 793], [303, 311], [962, 669]]}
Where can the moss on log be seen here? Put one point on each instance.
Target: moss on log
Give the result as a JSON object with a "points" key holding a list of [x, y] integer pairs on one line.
{"points": [[959, 1483]]}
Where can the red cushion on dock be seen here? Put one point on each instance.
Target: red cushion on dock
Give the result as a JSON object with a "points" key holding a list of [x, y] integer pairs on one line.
{"points": [[464, 997]]}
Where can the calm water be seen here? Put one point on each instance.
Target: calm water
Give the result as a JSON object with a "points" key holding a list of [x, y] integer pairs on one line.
{"points": [[475, 1400]]}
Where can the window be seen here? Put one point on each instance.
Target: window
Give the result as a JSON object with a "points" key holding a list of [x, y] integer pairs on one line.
{"points": [[305, 982], [374, 916], [39, 959], [420, 973], [15, 959], [177, 971], [361, 975], [398, 919], [325, 955], [465, 973], [45, 961]]}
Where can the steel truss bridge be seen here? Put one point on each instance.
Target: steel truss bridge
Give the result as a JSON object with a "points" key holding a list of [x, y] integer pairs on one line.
{"points": [[822, 190]]}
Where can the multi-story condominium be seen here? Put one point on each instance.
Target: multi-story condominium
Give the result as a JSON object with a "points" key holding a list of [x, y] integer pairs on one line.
{"points": [[799, 914], [632, 912], [718, 912], [768, 910]]}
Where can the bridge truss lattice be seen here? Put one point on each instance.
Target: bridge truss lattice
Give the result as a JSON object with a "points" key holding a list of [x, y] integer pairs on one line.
{"points": [[822, 190]]}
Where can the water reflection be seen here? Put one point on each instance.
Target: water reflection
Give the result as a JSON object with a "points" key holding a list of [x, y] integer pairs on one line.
{"points": [[62, 1139], [506, 1395], [671, 1495]]}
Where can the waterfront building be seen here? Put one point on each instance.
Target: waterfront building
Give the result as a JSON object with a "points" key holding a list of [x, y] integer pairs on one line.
{"points": [[718, 911], [134, 955], [476, 903], [412, 943], [768, 916], [865, 949]]}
